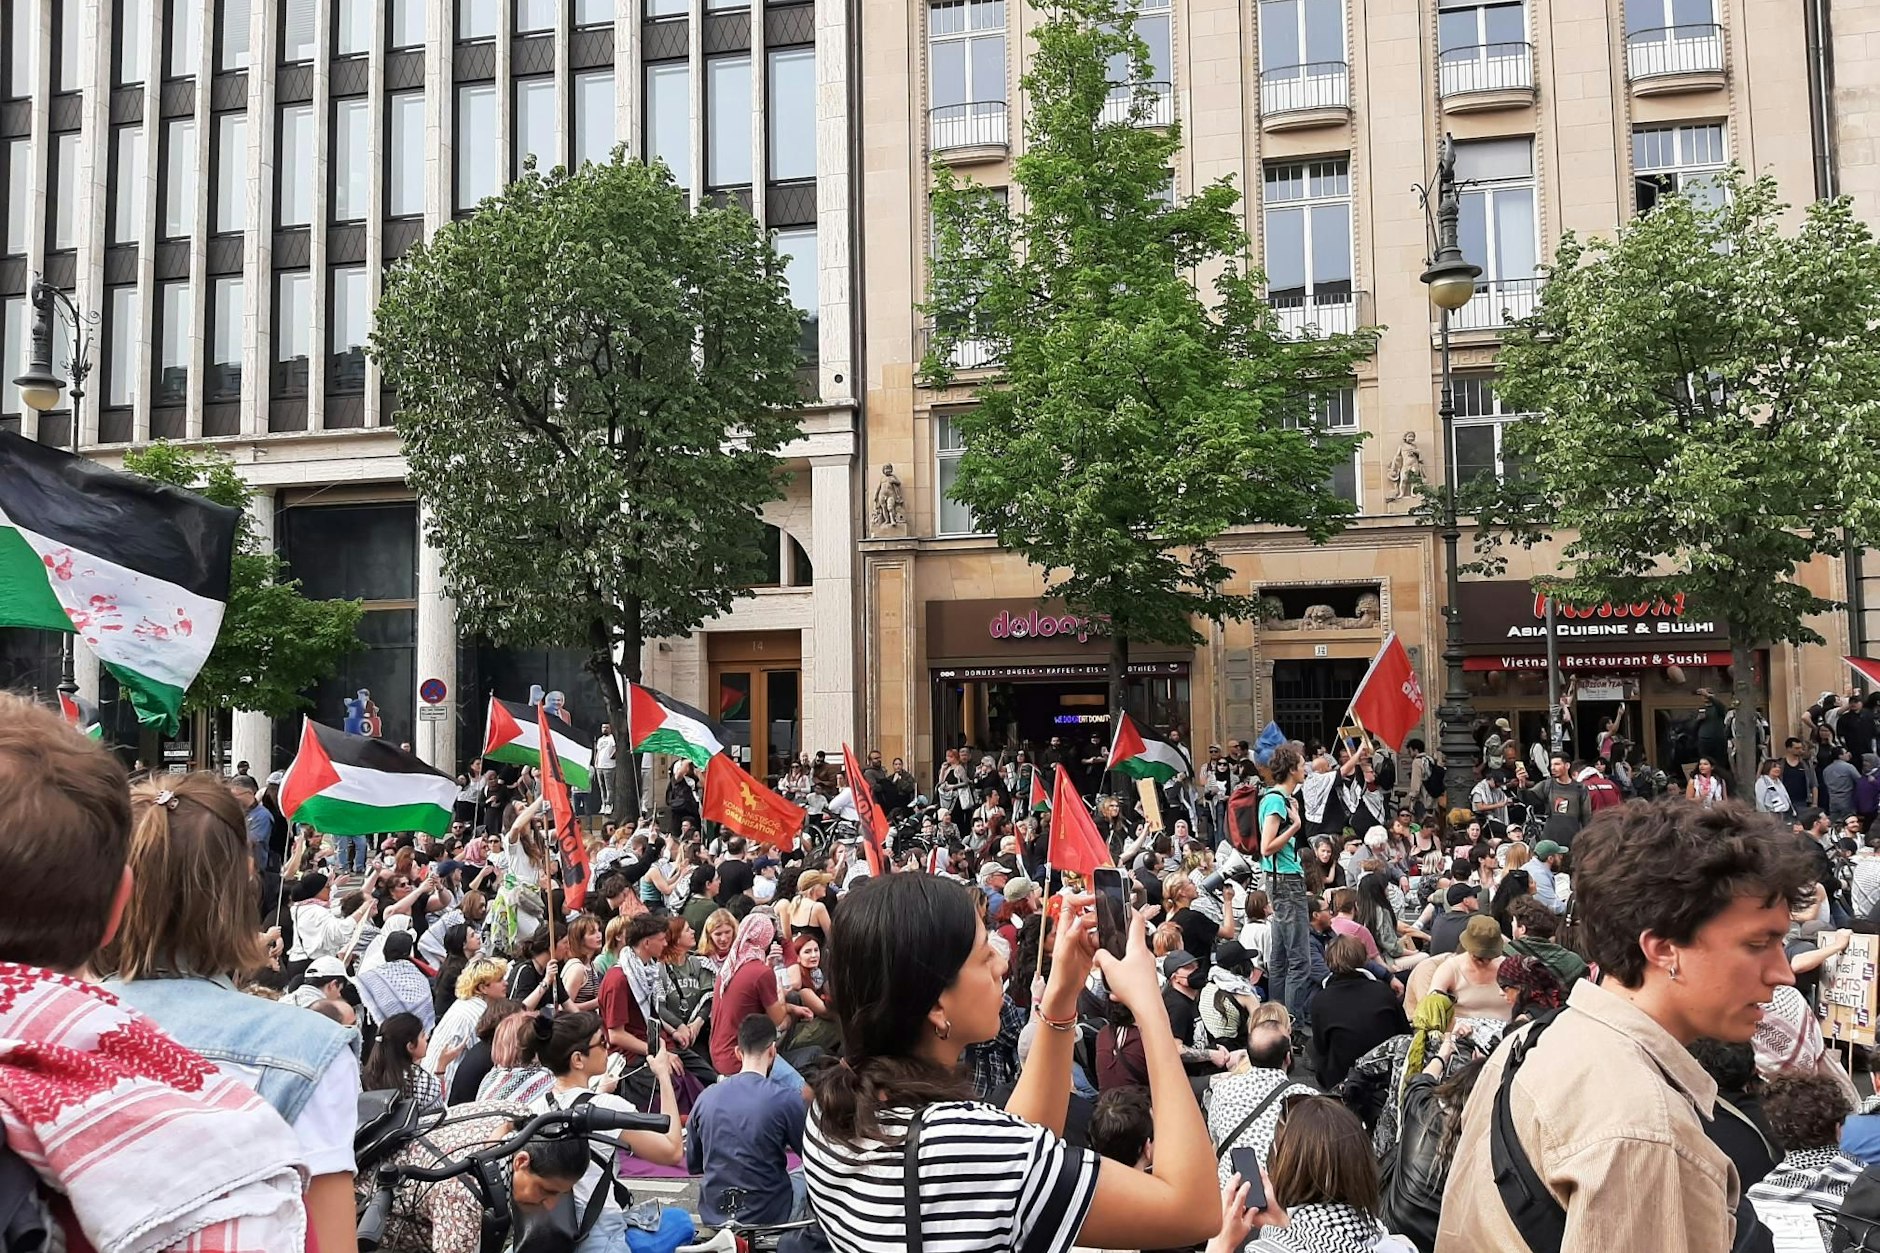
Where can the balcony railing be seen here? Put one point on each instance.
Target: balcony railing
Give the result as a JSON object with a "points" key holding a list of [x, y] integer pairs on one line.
{"points": [[1496, 303], [1295, 88], [1317, 314], [1696, 48], [1159, 106], [969, 353], [1486, 67], [979, 124]]}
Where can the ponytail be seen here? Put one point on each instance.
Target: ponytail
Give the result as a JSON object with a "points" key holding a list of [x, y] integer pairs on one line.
{"points": [[851, 1095]]}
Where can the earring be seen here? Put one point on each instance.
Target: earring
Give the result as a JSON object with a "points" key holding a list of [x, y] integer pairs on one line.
{"points": [[1673, 972], [944, 1030]]}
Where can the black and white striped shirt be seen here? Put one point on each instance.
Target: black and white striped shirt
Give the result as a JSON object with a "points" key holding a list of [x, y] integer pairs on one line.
{"points": [[988, 1181]]}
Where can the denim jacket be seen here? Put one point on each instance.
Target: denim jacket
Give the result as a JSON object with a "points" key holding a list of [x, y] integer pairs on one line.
{"points": [[290, 1047]]}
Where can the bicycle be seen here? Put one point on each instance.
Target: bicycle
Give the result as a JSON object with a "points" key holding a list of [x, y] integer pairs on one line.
{"points": [[483, 1170], [737, 1237]]}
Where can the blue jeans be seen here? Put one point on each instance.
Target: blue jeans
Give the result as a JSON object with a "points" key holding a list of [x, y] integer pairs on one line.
{"points": [[1288, 963], [785, 1076], [352, 853]]}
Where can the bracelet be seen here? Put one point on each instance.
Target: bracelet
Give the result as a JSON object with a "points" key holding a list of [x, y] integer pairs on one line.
{"points": [[1056, 1024]]}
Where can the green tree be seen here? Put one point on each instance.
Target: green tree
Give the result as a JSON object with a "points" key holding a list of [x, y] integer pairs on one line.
{"points": [[1706, 397], [1133, 420], [275, 643], [594, 382]]}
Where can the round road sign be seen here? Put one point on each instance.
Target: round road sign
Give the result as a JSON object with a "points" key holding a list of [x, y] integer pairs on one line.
{"points": [[432, 691]]}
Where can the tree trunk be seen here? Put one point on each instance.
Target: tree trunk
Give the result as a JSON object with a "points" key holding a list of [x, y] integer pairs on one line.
{"points": [[600, 664], [1743, 748], [1119, 691]]}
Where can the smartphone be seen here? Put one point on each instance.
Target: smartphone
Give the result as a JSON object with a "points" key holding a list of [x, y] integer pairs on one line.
{"points": [[1112, 909], [1246, 1163]]}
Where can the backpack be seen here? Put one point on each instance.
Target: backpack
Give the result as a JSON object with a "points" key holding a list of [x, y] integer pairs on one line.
{"points": [[1435, 779], [1857, 1226]]}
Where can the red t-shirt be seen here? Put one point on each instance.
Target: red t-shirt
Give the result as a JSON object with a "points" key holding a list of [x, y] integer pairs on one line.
{"points": [[753, 990], [618, 1008]]}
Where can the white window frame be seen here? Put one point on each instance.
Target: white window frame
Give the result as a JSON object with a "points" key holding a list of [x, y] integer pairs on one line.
{"points": [[1327, 88], [1677, 47], [590, 121], [1470, 390], [984, 117], [1491, 64], [1317, 314], [1694, 157], [1161, 92], [1337, 414], [222, 318], [947, 450], [1495, 292]]}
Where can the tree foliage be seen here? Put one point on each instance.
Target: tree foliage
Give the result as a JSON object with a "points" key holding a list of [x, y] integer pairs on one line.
{"points": [[1134, 420], [1706, 397], [594, 383], [274, 643]]}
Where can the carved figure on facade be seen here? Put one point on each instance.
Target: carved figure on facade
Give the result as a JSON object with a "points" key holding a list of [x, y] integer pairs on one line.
{"points": [[890, 501]]}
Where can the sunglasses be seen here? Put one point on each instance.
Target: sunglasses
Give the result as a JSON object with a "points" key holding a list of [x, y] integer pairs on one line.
{"points": [[1290, 1102]]}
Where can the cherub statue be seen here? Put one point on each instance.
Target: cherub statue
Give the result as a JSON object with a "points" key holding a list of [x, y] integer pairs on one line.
{"points": [[1405, 468], [890, 500]]}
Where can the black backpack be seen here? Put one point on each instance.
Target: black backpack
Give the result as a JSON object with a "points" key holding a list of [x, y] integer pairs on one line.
{"points": [[1857, 1226], [1435, 779]]}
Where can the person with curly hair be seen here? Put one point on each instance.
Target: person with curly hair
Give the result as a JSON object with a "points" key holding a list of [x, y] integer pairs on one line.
{"points": [[1805, 1111], [1684, 911]]}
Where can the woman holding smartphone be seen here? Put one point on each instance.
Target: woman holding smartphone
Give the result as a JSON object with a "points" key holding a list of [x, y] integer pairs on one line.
{"points": [[915, 982]]}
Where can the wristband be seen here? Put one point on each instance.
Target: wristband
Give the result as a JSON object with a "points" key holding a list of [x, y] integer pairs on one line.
{"points": [[1057, 1024]]}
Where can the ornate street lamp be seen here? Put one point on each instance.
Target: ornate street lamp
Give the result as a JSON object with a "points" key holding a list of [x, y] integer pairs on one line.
{"points": [[39, 385]]}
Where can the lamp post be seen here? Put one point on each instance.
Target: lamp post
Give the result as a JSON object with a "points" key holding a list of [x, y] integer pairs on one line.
{"points": [[1451, 280], [40, 388]]}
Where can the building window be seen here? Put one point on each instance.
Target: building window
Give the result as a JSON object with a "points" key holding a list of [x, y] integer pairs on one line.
{"points": [[179, 178], [1308, 247], [594, 132], [593, 13], [18, 189], [1672, 37], [1683, 161], [1482, 46], [293, 332], [350, 325], [477, 174], [535, 124], [1302, 55], [966, 74], [407, 23], [177, 315], [1336, 416], [68, 42], [1152, 27], [352, 27], [298, 27], [296, 165], [133, 40], [233, 25], [534, 15], [476, 19], [1480, 424], [797, 247], [666, 8], [351, 157], [19, 49], [12, 357], [127, 198], [669, 118], [718, 6], [950, 516], [228, 317], [790, 116], [728, 121], [120, 367], [404, 148], [64, 207], [231, 173], [1497, 229]]}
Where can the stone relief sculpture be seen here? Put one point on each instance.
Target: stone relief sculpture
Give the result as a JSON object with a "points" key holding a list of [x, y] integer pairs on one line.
{"points": [[890, 501], [1368, 616], [1405, 468]]}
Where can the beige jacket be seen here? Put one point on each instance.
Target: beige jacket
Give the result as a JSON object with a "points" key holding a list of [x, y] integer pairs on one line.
{"points": [[1607, 1106]]}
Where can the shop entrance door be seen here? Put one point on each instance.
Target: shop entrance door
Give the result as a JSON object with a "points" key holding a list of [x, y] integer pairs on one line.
{"points": [[756, 685], [1310, 697]]}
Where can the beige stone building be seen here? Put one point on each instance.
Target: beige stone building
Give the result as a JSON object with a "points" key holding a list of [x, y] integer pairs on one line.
{"points": [[1325, 112]]}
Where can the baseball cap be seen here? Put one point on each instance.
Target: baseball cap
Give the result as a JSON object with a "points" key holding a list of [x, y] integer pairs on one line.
{"points": [[1019, 888], [309, 886], [1180, 959], [1546, 849], [1460, 892], [324, 968], [991, 868]]}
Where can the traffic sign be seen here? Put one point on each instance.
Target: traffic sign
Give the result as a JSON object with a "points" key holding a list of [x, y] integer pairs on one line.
{"points": [[432, 691], [433, 713]]}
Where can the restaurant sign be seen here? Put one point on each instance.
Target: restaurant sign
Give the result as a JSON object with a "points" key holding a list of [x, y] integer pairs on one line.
{"points": [[1509, 617]]}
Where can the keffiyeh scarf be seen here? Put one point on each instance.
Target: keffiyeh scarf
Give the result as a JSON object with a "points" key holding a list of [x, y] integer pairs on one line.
{"points": [[755, 935], [1332, 1228], [103, 1106]]}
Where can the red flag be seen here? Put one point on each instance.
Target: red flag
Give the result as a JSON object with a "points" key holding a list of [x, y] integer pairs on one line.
{"points": [[740, 802], [1075, 844], [1866, 668], [1389, 702], [874, 822], [574, 857]]}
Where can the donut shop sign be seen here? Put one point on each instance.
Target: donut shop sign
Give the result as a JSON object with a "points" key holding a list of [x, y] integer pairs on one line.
{"points": [[1037, 624]]}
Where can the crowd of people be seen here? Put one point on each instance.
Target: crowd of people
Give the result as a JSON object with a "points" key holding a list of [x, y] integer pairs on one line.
{"points": [[1352, 1003]]}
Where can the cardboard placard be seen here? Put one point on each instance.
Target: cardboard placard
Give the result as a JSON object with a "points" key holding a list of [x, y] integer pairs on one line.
{"points": [[1848, 994], [1151, 804]]}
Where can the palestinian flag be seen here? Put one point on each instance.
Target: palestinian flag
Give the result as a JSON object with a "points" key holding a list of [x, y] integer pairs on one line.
{"points": [[1141, 758], [137, 569], [81, 715], [514, 736], [656, 723], [1040, 799], [352, 785]]}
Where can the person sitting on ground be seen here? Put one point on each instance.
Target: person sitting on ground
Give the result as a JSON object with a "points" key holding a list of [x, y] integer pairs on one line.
{"points": [[396, 1063], [1740, 1129], [1684, 910], [1417, 1169], [1529, 987], [747, 985], [1535, 926], [740, 1133], [515, 1075], [480, 1058], [396, 986], [1244, 1107], [1806, 1111], [1122, 1129], [573, 1048], [1446, 931], [1324, 1194], [1375, 1086], [1468, 976], [1352, 1013], [478, 986]]}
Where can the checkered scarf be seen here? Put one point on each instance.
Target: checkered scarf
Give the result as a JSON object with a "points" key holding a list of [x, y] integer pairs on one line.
{"points": [[1331, 1228]]}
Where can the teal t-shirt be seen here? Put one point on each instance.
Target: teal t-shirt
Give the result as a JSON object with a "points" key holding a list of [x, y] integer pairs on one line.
{"points": [[1286, 861]]}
